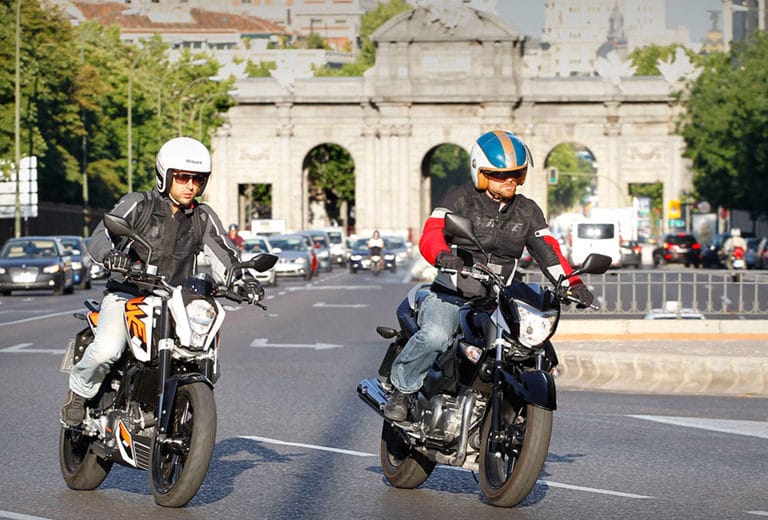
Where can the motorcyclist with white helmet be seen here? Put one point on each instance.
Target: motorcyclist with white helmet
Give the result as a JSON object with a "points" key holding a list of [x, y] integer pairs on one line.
{"points": [[505, 222], [178, 228]]}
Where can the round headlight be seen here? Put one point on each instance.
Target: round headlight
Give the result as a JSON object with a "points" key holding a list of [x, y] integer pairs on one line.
{"points": [[201, 316], [535, 326]]}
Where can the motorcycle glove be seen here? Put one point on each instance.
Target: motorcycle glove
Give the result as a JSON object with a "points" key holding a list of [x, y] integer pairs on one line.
{"points": [[250, 289], [117, 261], [580, 293], [447, 260]]}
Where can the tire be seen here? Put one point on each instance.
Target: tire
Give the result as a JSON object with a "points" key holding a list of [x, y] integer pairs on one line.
{"points": [[178, 469], [308, 275], [402, 467], [81, 469], [507, 479]]}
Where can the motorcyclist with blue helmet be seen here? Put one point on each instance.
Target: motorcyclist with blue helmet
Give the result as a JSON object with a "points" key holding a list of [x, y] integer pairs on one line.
{"points": [[505, 222]]}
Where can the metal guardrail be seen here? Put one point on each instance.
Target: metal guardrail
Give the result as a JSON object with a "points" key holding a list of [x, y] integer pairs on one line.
{"points": [[716, 293]]}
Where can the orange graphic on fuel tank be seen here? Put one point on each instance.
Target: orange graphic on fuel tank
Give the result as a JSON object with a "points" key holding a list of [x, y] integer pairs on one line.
{"points": [[133, 316]]}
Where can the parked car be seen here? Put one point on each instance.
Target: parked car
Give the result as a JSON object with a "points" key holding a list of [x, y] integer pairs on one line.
{"points": [[36, 262], [322, 244], [678, 248], [631, 254], [253, 246], [397, 245], [750, 256], [358, 257], [81, 260], [296, 258]]}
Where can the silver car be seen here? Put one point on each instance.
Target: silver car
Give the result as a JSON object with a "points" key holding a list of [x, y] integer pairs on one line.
{"points": [[296, 258], [253, 246]]}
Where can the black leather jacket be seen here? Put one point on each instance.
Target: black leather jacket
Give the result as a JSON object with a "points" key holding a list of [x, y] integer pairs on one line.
{"points": [[176, 239]]}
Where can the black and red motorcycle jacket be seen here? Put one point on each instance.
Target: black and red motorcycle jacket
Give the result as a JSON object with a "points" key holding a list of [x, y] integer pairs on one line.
{"points": [[503, 230]]}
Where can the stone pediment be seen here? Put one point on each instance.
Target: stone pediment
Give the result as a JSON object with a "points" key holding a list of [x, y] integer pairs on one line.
{"points": [[434, 21]]}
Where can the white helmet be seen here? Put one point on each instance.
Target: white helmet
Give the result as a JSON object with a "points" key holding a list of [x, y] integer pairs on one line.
{"points": [[185, 154]]}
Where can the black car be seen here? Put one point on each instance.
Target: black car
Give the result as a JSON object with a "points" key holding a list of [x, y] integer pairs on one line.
{"points": [[81, 260], [360, 261], [678, 248], [36, 262]]}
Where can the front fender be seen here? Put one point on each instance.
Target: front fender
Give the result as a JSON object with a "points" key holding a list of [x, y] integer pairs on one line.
{"points": [[169, 395], [535, 387]]}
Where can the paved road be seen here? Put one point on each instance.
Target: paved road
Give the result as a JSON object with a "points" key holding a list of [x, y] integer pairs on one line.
{"points": [[294, 441]]}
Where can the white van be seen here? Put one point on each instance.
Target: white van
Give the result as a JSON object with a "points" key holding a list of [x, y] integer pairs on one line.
{"points": [[594, 236]]}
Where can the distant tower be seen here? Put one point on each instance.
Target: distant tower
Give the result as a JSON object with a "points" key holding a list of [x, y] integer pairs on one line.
{"points": [[714, 39]]}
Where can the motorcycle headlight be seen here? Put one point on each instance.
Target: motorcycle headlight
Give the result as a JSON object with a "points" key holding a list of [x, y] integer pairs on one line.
{"points": [[201, 316], [77, 265], [535, 326]]}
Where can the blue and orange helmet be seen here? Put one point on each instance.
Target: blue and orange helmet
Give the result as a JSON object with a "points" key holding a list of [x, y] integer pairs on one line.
{"points": [[499, 154]]}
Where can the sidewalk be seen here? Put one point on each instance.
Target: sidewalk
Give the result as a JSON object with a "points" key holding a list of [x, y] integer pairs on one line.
{"points": [[716, 357]]}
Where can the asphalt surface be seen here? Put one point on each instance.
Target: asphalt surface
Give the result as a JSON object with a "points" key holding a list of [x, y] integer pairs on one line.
{"points": [[692, 357]]}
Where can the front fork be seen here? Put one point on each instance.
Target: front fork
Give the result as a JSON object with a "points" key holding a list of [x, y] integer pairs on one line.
{"points": [[164, 349]]}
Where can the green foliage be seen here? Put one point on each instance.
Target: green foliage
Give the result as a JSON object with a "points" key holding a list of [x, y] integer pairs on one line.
{"points": [[449, 167], [369, 22], [646, 59], [74, 98], [574, 178], [726, 128], [260, 69], [331, 172], [315, 41]]}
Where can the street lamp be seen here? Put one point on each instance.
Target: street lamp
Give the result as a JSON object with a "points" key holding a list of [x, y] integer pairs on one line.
{"points": [[187, 86], [130, 118], [17, 124]]}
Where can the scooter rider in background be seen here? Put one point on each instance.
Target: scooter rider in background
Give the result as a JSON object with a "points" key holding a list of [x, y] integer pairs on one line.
{"points": [[731, 243], [505, 222], [177, 228]]}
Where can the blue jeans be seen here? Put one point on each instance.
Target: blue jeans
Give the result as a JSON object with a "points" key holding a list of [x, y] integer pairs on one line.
{"points": [[438, 321]]}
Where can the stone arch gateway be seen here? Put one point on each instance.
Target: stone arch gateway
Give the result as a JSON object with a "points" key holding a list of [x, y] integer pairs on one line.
{"points": [[442, 75]]}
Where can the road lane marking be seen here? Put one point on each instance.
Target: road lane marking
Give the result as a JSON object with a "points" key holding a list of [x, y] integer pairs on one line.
{"points": [[267, 440], [757, 513], [44, 316], [334, 288], [748, 428], [263, 343], [340, 305], [19, 516], [22, 348]]}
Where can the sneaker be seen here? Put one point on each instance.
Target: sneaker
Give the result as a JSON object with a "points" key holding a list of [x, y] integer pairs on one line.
{"points": [[396, 408], [73, 411]]}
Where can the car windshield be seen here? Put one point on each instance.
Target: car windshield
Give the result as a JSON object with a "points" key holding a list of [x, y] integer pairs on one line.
{"points": [[335, 237], [289, 244], [360, 243], [681, 239], [394, 242], [72, 244], [320, 239], [29, 249], [254, 246]]}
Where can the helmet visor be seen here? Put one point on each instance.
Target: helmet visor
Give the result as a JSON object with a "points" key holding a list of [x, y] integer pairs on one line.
{"points": [[504, 174]]}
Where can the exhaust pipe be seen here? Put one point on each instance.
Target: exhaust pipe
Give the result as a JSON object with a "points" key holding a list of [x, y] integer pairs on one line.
{"points": [[373, 394]]}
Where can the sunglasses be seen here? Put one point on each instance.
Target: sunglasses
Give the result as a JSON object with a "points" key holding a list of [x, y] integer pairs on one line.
{"points": [[183, 178], [502, 175]]}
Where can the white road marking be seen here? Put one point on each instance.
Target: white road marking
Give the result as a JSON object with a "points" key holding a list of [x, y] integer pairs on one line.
{"points": [[340, 305], [263, 343], [22, 348], [19, 516], [748, 428], [41, 317], [363, 454], [757, 513], [334, 288]]}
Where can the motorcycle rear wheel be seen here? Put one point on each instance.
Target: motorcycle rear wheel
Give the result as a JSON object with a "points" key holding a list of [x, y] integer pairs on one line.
{"points": [[81, 469], [402, 467], [507, 477], [179, 464]]}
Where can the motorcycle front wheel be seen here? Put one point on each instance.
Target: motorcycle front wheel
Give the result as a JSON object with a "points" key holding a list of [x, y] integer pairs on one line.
{"points": [[81, 469], [180, 461], [402, 467], [509, 474]]}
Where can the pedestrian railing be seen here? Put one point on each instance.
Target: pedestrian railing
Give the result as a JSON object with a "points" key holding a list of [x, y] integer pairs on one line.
{"points": [[715, 293]]}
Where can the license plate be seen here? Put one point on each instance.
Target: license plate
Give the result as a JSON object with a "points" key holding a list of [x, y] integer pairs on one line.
{"points": [[738, 264], [24, 278]]}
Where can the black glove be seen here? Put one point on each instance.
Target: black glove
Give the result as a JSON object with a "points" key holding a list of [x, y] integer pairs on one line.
{"points": [[250, 289], [580, 293], [448, 260], [117, 261]]}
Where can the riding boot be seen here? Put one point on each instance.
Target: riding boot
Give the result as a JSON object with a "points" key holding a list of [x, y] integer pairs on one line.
{"points": [[396, 408]]}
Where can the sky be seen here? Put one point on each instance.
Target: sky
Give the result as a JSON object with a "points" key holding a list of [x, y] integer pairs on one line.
{"points": [[527, 16]]}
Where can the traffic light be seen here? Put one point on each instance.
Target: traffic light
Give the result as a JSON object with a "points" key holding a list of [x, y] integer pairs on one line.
{"points": [[552, 175], [674, 209]]}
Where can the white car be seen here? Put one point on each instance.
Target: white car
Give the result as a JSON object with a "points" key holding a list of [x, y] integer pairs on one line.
{"points": [[253, 246]]}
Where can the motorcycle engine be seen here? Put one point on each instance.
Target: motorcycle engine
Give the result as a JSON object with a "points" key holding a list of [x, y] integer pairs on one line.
{"points": [[440, 417]]}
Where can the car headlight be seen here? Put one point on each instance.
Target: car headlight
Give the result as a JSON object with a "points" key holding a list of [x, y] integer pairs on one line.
{"points": [[356, 258], [2, 270], [77, 265], [55, 268], [323, 254], [389, 257], [201, 315], [535, 326], [300, 261]]}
